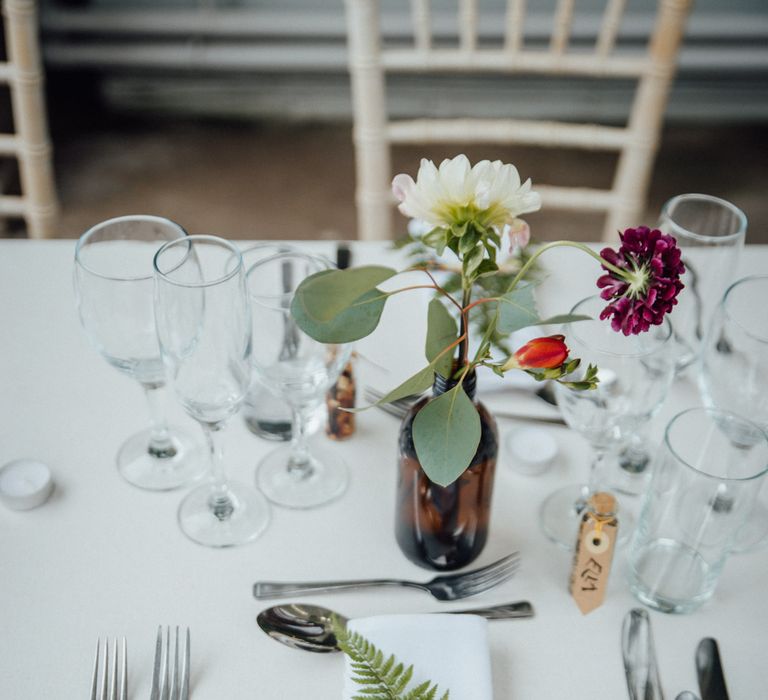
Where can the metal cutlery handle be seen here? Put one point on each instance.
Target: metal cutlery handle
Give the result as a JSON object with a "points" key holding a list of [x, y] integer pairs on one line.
{"points": [[265, 590], [639, 655], [506, 611]]}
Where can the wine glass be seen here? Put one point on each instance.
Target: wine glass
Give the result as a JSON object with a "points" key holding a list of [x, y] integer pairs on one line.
{"points": [[265, 413], [204, 327], [634, 373], [114, 289], [734, 373], [300, 370]]}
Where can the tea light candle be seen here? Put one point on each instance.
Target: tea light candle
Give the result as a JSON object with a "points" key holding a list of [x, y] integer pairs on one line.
{"points": [[531, 450], [25, 484]]}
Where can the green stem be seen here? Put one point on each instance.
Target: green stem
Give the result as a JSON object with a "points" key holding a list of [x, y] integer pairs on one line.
{"points": [[464, 329], [557, 244]]}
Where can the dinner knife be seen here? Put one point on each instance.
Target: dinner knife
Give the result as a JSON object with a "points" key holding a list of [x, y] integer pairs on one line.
{"points": [[637, 648], [710, 671]]}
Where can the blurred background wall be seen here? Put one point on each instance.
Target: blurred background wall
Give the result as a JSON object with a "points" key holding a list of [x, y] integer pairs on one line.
{"points": [[235, 117]]}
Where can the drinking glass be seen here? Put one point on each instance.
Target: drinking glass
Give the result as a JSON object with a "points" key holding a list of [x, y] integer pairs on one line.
{"points": [[710, 232], [113, 290], [266, 413], [734, 372], [635, 373], [704, 482], [204, 327], [300, 370]]}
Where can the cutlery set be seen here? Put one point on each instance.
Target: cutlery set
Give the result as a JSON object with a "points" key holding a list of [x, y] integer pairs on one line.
{"points": [[641, 669], [170, 677]]}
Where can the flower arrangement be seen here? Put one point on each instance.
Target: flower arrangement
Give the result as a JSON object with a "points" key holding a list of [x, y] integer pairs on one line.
{"points": [[469, 211]]}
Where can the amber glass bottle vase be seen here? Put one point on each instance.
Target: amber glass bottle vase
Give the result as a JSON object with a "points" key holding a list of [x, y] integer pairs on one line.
{"points": [[440, 527]]}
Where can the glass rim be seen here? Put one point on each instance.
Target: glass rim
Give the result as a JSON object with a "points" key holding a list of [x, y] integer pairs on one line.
{"points": [[569, 327], [714, 412], [198, 238], [85, 238], [677, 228], [311, 257], [726, 309]]}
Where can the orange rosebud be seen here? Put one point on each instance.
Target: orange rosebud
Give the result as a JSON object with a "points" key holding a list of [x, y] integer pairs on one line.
{"points": [[542, 353]]}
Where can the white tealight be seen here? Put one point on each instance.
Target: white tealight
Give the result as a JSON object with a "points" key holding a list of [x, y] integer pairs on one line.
{"points": [[530, 450], [25, 484]]}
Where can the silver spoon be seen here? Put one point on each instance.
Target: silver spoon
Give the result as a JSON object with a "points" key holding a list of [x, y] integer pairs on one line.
{"points": [[687, 695], [308, 627]]}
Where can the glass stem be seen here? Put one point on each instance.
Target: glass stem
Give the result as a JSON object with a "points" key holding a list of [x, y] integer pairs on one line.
{"points": [[595, 480], [299, 463], [160, 443], [220, 501]]}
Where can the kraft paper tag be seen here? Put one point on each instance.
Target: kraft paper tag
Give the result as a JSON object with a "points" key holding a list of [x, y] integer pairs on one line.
{"points": [[592, 560]]}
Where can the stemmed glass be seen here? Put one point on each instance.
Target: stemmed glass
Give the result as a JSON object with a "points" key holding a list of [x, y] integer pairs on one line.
{"points": [[635, 373], [734, 372], [204, 327], [114, 290], [300, 370]]}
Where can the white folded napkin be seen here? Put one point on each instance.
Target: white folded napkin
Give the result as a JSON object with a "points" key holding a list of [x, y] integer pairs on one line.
{"points": [[450, 650]]}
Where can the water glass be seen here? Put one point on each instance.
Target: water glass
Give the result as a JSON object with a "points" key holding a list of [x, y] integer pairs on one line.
{"points": [[114, 293], [733, 373], [704, 482], [710, 232], [299, 369], [204, 327]]}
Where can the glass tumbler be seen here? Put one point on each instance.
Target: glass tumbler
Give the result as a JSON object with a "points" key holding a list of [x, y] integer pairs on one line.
{"points": [[705, 479], [733, 373], [710, 232]]}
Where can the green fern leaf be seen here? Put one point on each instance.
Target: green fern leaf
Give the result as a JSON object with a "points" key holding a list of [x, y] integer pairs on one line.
{"points": [[379, 678]]}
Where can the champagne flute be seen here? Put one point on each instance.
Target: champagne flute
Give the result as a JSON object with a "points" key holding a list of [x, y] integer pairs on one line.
{"points": [[734, 374], [300, 370], [114, 290], [204, 327], [635, 373]]}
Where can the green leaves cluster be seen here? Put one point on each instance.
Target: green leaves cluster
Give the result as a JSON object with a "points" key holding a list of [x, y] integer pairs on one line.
{"points": [[474, 244], [588, 381], [341, 306], [380, 678]]}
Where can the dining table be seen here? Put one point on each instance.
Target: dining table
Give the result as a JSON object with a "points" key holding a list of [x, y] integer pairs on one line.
{"points": [[101, 558]]}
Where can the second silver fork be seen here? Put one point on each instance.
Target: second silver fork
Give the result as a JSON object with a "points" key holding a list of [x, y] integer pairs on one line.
{"points": [[170, 678]]}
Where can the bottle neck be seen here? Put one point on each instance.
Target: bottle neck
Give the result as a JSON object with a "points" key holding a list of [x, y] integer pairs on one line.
{"points": [[443, 384]]}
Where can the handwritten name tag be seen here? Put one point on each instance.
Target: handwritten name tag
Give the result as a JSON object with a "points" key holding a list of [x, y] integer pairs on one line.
{"points": [[594, 552]]}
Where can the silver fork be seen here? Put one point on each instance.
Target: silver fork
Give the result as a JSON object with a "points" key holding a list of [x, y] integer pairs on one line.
{"points": [[105, 684], [399, 407], [446, 587], [170, 678]]}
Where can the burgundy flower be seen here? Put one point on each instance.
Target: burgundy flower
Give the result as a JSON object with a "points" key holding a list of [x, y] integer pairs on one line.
{"points": [[645, 286]]}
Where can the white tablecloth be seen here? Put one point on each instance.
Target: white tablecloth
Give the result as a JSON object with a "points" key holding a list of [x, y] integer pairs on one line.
{"points": [[104, 558]]}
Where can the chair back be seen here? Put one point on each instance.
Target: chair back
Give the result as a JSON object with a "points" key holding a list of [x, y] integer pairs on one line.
{"points": [[652, 67]]}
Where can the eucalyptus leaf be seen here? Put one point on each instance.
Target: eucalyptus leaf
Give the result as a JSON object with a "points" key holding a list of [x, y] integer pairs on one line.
{"points": [[517, 309], [353, 323], [324, 295], [415, 384], [442, 330], [446, 433]]}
